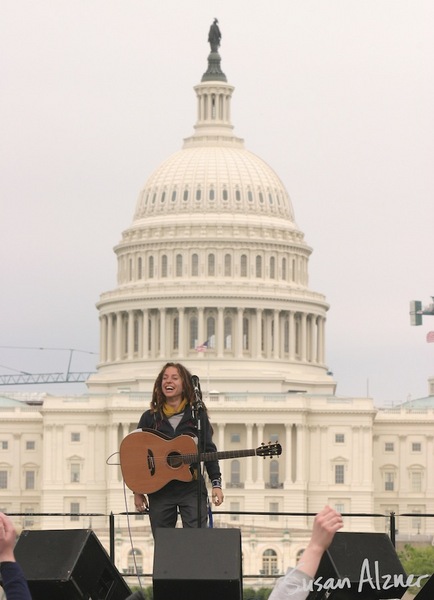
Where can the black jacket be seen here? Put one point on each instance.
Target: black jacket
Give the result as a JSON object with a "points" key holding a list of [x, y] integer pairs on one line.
{"points": [[187, 425]]}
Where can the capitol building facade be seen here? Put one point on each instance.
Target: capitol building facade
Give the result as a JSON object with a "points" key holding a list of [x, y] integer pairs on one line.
{"points": [[214, 273]]}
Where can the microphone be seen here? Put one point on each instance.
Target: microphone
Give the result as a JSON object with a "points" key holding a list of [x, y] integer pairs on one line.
{"points": [[197, 391], [195, 382]]}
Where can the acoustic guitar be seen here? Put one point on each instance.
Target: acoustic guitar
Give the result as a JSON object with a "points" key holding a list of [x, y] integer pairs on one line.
{"points": [[150, 459]]}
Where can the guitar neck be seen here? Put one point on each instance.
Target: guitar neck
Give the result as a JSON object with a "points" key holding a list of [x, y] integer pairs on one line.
{"points": [[206, 456]]}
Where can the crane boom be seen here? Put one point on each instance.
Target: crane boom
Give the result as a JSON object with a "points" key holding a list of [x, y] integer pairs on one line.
{"points": [[29, 378]]}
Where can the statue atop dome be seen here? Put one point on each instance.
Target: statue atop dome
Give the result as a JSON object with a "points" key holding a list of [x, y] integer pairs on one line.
{"points": [[214, 36], [214, 72]]}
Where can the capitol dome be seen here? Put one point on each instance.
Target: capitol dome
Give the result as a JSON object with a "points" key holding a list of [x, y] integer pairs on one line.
{"points": [[213, 271], [215, 179]]}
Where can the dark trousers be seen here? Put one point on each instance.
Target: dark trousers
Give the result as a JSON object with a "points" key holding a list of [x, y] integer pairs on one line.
{"points": [[177, 495]]}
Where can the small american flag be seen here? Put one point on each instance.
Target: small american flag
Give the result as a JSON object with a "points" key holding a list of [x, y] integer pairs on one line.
{"points": [[203, 347], [430, 336]]}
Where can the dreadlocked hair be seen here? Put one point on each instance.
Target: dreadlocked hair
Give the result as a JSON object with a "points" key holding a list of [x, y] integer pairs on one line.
{"points": [[158, 398]]}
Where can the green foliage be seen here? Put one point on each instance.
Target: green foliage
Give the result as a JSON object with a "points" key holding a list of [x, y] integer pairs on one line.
{"points": [[417, 561], [251, 594], [148, 592]]}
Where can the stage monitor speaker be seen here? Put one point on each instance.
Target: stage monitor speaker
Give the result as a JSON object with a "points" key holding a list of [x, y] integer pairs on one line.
{"points": [[359, 565], [427, 592], [197, 563], [68, 564]]}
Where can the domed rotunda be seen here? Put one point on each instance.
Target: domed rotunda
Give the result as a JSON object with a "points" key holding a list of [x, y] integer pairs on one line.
{"points": [[213, 271]]}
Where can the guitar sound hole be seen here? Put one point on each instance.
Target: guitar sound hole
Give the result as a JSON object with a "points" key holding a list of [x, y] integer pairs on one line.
{"points": [[174, 460]]}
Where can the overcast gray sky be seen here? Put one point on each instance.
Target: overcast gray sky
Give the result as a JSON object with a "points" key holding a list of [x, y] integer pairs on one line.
{"points": [[336, 95]]}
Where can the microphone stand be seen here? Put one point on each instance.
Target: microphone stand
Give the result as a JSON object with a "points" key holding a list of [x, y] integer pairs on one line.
{"points": [[198, 411]]}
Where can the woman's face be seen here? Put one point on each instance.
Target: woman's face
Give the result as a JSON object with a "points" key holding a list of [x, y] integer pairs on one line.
{"points": [[171, 384]]}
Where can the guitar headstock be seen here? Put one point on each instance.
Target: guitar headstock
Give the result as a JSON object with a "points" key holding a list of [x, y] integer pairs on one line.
{"points": [[270, 449]]}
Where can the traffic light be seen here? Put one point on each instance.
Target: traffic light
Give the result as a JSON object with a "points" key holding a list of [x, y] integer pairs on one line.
{"points": [[415, 312]]}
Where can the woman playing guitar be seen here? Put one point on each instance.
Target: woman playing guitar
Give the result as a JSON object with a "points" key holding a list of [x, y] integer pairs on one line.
{"points": [[172, 414]]}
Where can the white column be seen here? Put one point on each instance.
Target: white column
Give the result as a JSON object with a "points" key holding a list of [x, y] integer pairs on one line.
{"points": [[260, 472], [249, 442], [258, 332], [110, 352], [220, 448], [321, 341], [130, 347], [288, 454], [291, 320], [118, 353], [300, 452], [145, 333], [323, 459], [303, 337], [103, 338]]}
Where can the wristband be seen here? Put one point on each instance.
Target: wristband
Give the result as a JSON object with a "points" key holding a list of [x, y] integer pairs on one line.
{"points": [[217, 483]]}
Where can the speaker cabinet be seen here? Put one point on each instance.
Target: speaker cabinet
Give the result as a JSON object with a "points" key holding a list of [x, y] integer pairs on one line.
{"points": [[359, 565], [197, 563], [68, 564]]}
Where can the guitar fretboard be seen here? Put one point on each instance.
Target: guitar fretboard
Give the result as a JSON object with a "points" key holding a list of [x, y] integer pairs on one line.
{"points": [[206, 456]]}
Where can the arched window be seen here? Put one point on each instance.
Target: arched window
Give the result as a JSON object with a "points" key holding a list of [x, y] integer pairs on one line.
{"points": [[284, 269], [179, 265], [211, 264], [259, 266], [210, 331], [228, 265], [193, 333], [272, 268], [228, 333], [243, 265], [194, 265], [175, 333], [139, 268], [269, 562], [151, 267], [225, 194], [164, 266], [135, 561]]}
